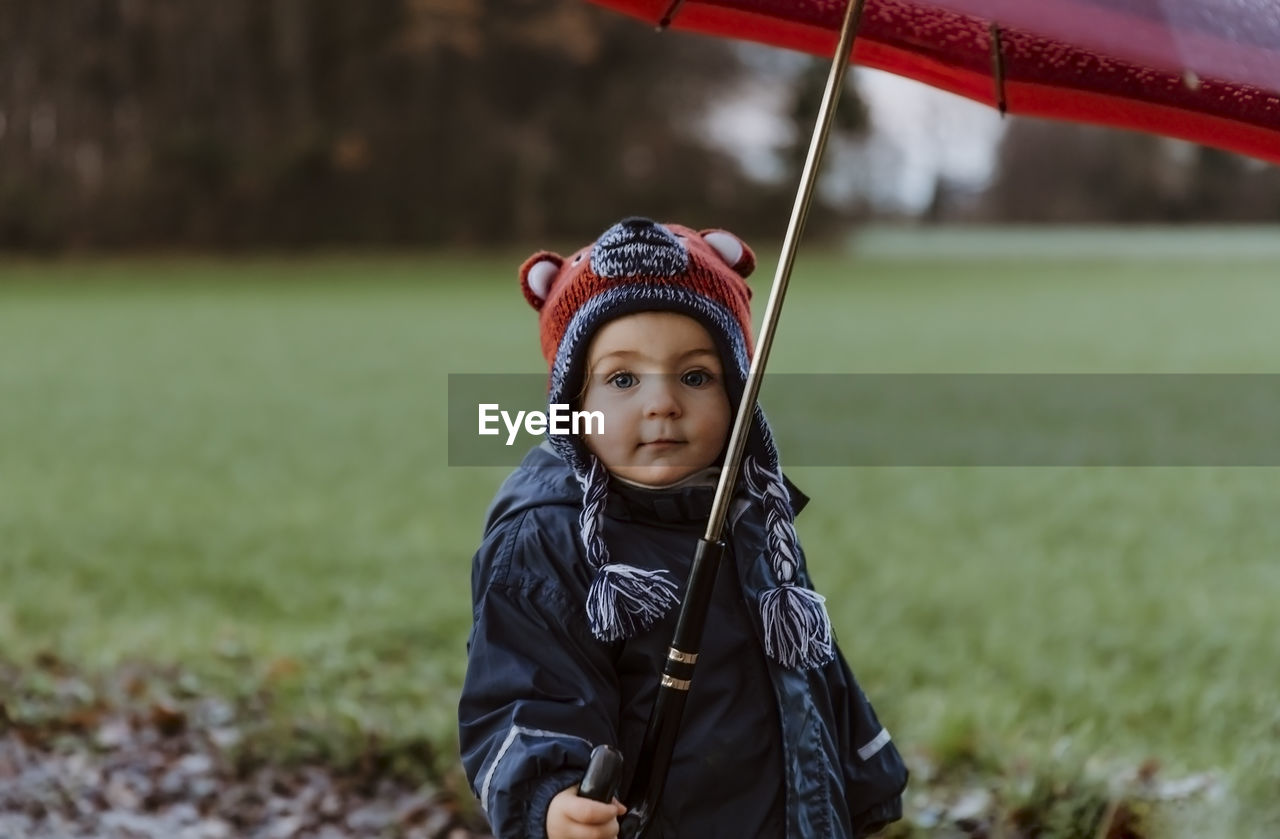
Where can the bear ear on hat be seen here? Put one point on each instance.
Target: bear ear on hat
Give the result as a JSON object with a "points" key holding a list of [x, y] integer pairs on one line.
{"points": [[732, 250], [537, 274]]}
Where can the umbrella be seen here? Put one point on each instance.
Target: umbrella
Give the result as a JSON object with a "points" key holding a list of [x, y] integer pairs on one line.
{"points": [[1202, 70]]}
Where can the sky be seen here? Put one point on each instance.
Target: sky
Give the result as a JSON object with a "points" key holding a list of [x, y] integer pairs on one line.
{"points": [[933, 131], [918, 132]]}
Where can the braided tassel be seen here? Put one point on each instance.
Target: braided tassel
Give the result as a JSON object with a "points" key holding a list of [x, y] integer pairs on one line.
{"points": [[623, 600], [797, 630], [595, 490]]}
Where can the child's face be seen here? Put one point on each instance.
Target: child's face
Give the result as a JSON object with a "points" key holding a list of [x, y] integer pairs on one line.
{"points": [[657, 378]]}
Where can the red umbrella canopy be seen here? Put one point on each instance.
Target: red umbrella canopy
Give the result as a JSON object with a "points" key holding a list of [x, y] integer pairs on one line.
{"points": [[1202, 70]]}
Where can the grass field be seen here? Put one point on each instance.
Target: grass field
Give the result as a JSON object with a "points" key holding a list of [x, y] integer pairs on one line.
{"points": [[241, 465]]}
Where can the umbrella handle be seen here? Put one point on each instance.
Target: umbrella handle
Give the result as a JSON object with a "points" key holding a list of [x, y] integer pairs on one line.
{"points": [[659, 743], [604, 774]]}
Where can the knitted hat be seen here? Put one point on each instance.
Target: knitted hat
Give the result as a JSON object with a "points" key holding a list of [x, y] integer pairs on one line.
{"points": [[639, 266]]}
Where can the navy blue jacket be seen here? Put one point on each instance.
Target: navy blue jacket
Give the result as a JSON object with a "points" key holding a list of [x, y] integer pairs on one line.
{"points": [[763, 750]]}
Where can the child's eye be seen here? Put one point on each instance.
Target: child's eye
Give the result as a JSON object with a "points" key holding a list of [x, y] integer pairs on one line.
{"points": [[622, 380], [697, 378]]}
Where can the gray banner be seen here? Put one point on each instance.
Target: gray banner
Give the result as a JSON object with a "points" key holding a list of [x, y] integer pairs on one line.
{"points": [[950, 420]]}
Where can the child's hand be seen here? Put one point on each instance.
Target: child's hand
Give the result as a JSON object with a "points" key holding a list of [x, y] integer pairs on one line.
{"points": [[571, 817]]}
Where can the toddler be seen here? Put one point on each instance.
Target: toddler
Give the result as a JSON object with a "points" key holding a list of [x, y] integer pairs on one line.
{"points": [[586, 549]]}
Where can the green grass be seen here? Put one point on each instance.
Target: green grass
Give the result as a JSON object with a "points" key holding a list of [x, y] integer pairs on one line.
{"points": [[241, 466]]}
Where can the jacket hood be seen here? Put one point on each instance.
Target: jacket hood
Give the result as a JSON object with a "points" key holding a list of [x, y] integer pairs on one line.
{"points": [[541, 479]]}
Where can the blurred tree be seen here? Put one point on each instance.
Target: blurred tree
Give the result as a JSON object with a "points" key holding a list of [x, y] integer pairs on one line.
{"points": [[852, 119], [1051, 171], [243, 122], [1059, 172], [1227, 187], [851, 124]]}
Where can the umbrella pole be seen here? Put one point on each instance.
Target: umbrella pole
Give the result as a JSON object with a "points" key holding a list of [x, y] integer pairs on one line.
{"points": [[664, 721], [781, 279]]}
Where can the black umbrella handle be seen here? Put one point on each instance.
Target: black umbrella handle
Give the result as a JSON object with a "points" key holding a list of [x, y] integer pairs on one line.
{"points": [[604, 774], [650, 776]]}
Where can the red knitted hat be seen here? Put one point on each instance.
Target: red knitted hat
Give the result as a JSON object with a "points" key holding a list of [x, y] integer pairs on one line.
{"points": [[710, 263]]}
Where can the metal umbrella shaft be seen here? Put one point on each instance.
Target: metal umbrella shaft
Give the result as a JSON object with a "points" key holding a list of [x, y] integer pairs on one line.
{"points": [[654, 760]]}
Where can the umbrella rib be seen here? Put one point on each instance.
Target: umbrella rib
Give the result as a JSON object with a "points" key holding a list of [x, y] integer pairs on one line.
{"points": [[997, 66], [670, 14]]}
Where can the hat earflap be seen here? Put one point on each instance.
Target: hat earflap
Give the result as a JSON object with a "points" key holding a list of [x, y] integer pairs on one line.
{"points": [[797, 629], [623, 600]]}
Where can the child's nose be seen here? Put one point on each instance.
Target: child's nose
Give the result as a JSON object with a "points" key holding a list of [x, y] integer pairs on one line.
{"points": [[662, 400]]}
